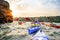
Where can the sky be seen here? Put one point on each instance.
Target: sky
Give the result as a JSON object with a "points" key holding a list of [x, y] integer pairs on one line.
{"points": [[33, 8]]}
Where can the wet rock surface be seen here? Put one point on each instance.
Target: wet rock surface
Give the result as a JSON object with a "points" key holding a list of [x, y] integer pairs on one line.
{"points": [[5, 12]]}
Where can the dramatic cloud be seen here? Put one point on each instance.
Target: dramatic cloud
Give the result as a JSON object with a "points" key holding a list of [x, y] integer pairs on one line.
{"points": [[35, 7]]}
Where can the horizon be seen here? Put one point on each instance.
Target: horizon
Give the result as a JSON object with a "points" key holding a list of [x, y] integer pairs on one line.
{"points": [[34, 8]]}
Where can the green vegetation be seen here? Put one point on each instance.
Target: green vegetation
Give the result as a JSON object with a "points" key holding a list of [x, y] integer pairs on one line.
{"points": [[42, 19]]}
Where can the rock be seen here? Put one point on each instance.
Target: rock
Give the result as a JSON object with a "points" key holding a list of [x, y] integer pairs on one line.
{"points": [[51, 35], [5, 12]]}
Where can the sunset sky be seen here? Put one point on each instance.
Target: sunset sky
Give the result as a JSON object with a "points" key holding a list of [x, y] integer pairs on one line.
{"points": [[32, 8]]}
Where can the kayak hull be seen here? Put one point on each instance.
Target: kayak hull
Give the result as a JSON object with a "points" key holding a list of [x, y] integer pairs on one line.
{"points": [[40, 36], [33, 30]]}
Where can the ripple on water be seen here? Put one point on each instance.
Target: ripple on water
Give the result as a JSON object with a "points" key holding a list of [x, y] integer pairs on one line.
{"points": [[14, 27]]}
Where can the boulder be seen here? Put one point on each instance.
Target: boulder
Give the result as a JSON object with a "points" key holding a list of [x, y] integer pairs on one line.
{"points": [[5, 12]]}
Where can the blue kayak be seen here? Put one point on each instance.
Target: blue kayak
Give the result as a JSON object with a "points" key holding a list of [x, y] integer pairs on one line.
{"points": [[40, 36], [38, 33], [33, 30]]}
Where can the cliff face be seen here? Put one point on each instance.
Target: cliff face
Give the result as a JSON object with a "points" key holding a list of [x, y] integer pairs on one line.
{"points": [[5, 12]]}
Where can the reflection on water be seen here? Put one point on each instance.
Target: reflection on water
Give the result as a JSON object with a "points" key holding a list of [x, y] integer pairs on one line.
{"points": [[19, 32]]}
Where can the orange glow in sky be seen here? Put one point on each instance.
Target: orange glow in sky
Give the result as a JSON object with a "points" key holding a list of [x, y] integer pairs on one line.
{"points": [[32, 8]]}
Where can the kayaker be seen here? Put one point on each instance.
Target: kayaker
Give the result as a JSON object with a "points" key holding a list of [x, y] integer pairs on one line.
{"points": [[35, 23], [20, 22], [37, 33]]}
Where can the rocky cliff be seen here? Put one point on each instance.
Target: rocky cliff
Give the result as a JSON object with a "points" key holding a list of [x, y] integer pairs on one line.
{"points": [[5, 12]]}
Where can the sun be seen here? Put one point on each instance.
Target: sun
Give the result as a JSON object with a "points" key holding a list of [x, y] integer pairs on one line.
{"points": [[14, 11]]}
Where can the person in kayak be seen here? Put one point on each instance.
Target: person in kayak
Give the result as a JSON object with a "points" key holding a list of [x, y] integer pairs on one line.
{"points": [[35, 23], [37, 33]]}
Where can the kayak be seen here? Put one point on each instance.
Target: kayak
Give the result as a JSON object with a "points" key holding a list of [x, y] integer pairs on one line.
{"points": [[38, 34], [33, 30], [55, 26]]}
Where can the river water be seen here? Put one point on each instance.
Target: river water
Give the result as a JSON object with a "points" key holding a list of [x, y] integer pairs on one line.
{"points": [[20, 32]]}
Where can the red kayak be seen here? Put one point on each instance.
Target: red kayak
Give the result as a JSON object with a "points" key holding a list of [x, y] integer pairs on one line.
{"points": [[56, 26]]}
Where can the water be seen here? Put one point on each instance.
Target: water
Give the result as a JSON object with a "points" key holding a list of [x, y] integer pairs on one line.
{"points": [[19, 32]]}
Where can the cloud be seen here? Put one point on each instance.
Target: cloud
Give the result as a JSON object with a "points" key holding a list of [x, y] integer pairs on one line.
{"points": [[46, 7]]}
